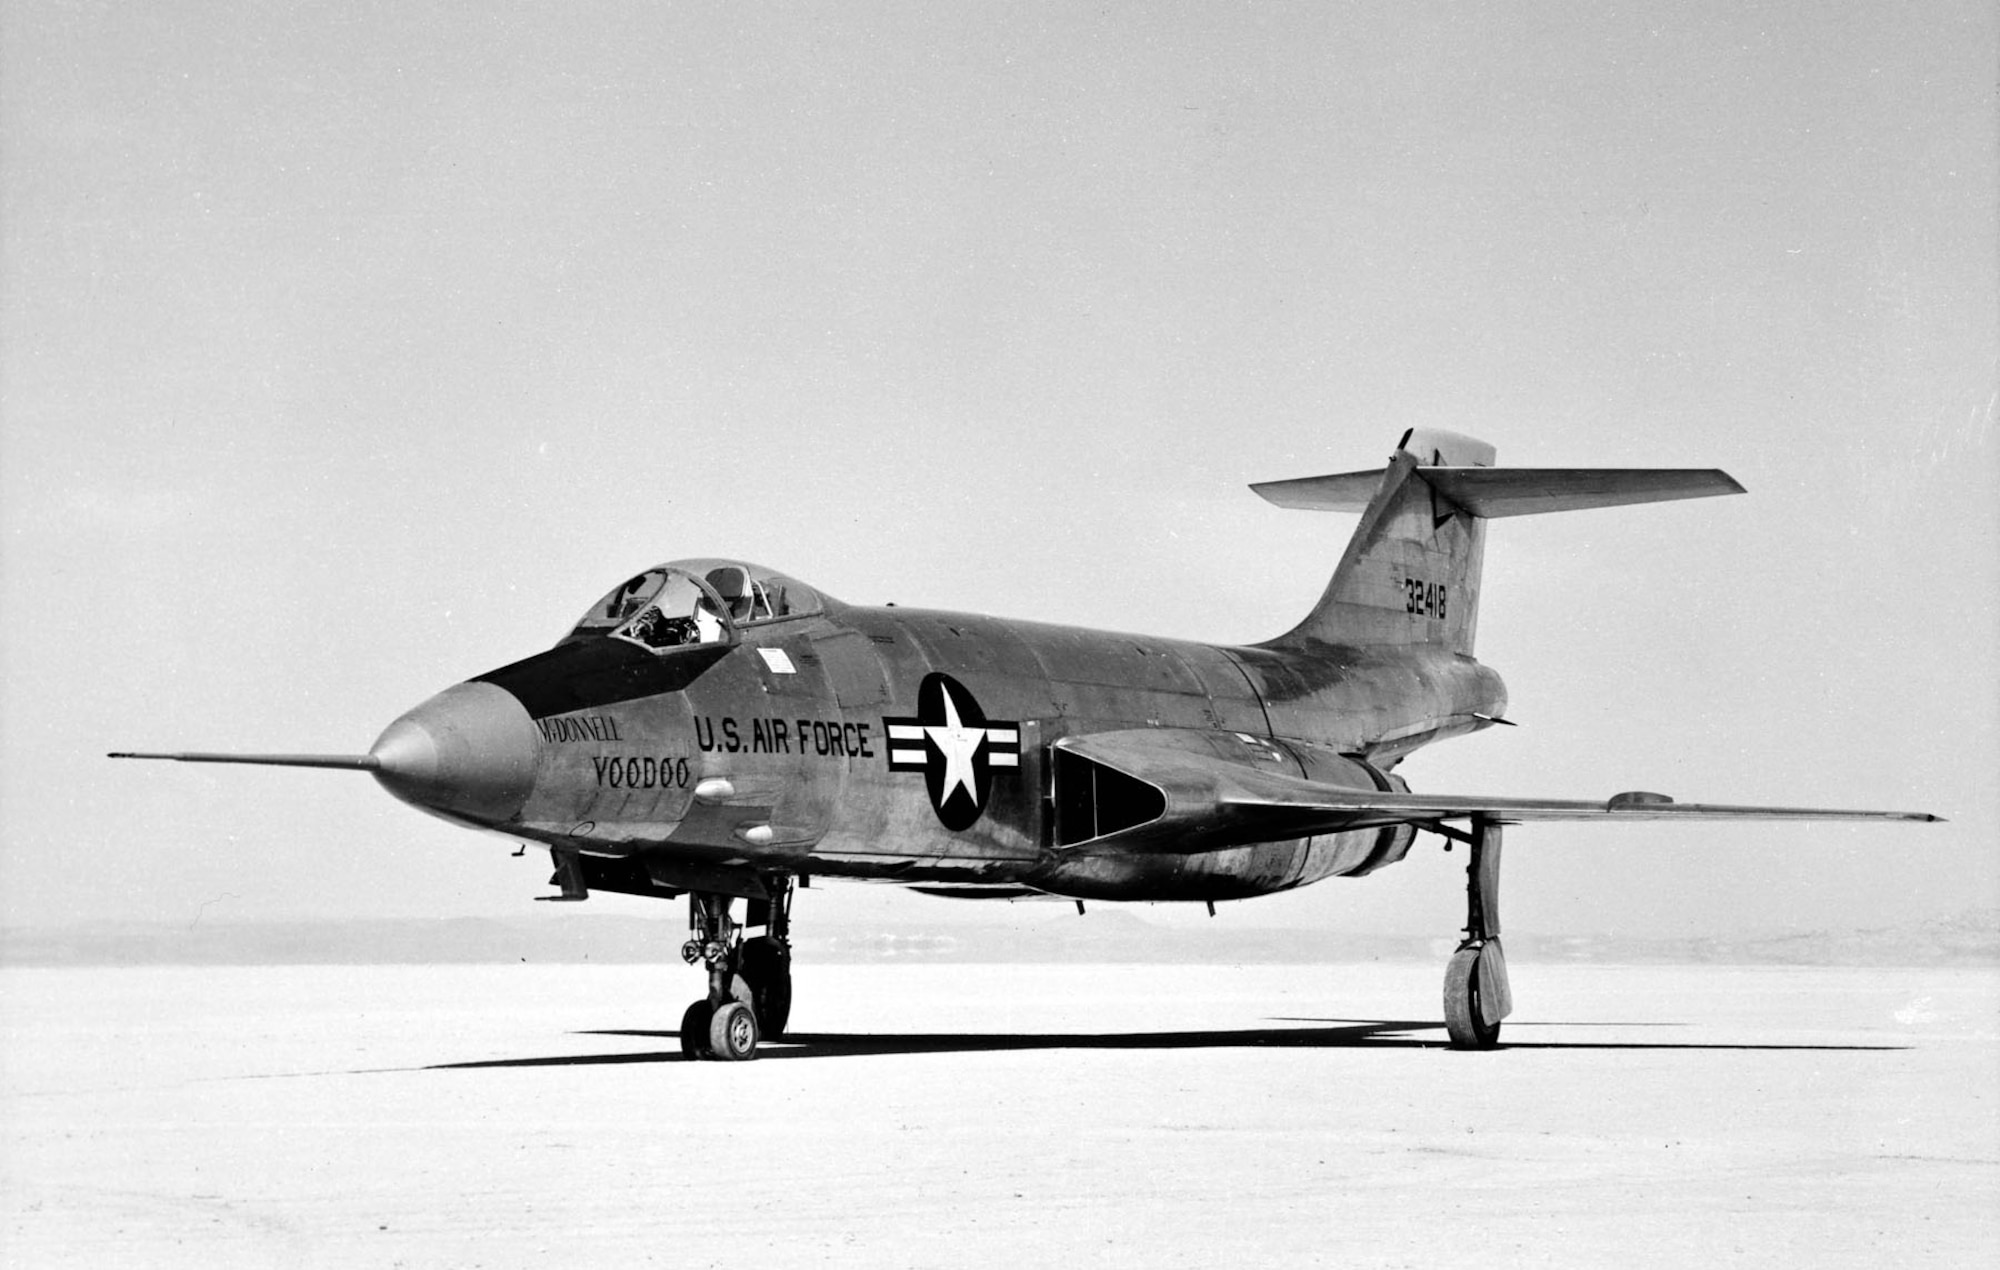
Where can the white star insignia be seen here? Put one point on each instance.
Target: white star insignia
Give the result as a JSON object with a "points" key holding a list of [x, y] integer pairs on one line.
{"points": [[958, 744], [954, 747]]}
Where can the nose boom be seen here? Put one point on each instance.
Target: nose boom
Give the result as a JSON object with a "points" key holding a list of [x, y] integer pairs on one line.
{"points": [[468, 753]]}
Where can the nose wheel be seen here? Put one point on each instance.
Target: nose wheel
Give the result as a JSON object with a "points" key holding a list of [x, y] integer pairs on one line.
{"points": [[732, 1033], [749, 980], [1476, 995]]}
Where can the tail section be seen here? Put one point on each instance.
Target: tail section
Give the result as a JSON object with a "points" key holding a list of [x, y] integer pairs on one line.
{"points": [[1410, 574]]}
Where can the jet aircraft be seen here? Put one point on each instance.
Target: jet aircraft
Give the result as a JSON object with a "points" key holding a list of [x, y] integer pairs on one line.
{"points": [[717, 730]]}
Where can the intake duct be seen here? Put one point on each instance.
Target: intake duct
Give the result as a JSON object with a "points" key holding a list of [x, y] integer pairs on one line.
{"points": [[1208, 790], [1092, 800]]}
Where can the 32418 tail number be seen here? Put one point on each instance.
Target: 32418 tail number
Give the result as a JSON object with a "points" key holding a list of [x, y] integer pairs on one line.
{"points": [[1426, 598]]}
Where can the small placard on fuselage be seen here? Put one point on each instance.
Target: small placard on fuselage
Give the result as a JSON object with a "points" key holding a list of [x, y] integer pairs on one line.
{"points": [[776, 660]]}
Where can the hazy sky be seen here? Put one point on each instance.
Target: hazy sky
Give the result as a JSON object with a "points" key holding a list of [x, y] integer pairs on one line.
{"points": [[352, 349]]}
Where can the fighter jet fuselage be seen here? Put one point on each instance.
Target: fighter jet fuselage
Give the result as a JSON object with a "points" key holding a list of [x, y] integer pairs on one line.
{"points": [[718, 730], [922, 747]]}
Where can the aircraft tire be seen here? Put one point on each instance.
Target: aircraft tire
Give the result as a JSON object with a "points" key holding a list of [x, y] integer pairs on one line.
{"points": [[732, 1033], [694, 1029], [1464, 1017], [767, 967]]}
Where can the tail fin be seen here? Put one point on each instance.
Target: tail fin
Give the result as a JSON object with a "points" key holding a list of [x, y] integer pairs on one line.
{"points": [[1411, 572]]}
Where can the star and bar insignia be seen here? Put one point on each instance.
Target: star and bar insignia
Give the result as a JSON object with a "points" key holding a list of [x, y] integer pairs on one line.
{"points": [[953, 744]]}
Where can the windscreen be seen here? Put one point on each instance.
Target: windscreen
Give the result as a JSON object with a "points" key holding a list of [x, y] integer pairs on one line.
{"points": [[623, 604], [710, 598], [679, 613], [659, 609]]}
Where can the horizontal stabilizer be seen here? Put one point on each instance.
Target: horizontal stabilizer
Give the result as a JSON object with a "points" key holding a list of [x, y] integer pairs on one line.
{"points": [[1494, 492], [1346, 492]]}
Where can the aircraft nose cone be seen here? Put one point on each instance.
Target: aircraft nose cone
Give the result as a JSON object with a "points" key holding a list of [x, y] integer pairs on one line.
{"points": [[468, 753]]}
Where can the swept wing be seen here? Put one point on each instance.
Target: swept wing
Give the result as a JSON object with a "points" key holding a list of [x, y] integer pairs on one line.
{"points": [[1212, 798]]}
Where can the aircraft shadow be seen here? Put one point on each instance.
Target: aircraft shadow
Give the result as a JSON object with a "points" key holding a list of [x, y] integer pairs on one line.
{"points": [[1334, 1034]]}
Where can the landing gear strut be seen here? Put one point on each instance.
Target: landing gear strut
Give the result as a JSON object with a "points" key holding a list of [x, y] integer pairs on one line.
{"points": [[749, 980], [1476, 996]]}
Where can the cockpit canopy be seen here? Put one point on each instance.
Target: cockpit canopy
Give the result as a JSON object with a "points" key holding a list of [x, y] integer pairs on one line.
{"points": [[695, 602]]}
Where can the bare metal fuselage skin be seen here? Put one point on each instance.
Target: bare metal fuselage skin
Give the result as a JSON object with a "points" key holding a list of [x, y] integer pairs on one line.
{"points": [[714, 766], [714, 729]]}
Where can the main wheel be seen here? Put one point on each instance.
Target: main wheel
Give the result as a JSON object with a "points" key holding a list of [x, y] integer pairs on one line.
{"points": [[767, 967], [732, 1033], [1464, 1011], [694, 1029]]}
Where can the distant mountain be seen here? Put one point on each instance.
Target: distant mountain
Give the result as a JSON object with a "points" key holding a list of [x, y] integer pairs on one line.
{"points": [[1971, 938]]}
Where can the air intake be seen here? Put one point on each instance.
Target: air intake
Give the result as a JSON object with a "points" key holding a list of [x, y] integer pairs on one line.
{"points": [[1093, 800]]}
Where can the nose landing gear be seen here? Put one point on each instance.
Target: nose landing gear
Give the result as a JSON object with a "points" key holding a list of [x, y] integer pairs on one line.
{"points": [[749, 980], [1476, 995]]}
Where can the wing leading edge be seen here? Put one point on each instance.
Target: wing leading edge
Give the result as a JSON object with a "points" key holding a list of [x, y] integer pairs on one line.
{"points": [[1634, 805]]}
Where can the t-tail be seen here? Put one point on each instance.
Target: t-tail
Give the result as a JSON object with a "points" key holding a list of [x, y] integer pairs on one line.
{"points": [[1410, 575]]}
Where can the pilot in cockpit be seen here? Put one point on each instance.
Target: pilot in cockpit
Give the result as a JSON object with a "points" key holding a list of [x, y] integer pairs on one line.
{"points": [[655, 629], [668, 607]]}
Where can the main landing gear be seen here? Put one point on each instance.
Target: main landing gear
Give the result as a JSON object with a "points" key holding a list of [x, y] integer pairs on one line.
{"points": [[1476, 996], [749, 980]]}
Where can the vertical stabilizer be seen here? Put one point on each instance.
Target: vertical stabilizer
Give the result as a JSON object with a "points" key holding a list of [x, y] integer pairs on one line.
{"points": [[1411, 572]]}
